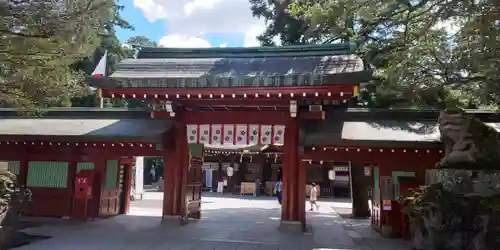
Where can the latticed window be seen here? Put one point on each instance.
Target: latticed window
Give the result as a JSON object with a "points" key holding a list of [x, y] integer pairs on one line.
{"points": [[223, 82], [162, 83], [111, 174], [261, 81], [203, 83], [47, 174], [281, 80], [305, 80], [316, 80], [181, 83], [288, 80]]}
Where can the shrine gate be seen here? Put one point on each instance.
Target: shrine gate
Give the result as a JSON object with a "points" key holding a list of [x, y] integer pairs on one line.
{"points": [[295, 97], [236, 97]]}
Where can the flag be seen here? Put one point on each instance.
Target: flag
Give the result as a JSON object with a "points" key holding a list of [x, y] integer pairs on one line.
{"points": [[100, 69]]}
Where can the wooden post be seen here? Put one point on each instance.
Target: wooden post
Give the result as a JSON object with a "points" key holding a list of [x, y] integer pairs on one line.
{"points": [[291, 186], [302, 181], [176, 170], [127, 189], [359, 191]]}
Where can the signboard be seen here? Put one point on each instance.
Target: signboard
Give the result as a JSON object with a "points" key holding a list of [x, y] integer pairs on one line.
{"points": [[4, 166], [387, 205]]}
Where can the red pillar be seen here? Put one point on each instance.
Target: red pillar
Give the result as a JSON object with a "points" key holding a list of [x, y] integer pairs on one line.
{"points": [[128, 187], [175, 175], [292, 202], [302, 180]]}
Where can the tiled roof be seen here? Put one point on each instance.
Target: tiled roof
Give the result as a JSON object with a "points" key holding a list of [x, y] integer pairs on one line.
{"points": [[238, 67], [92, 129], [249, 52], [381, 132]]}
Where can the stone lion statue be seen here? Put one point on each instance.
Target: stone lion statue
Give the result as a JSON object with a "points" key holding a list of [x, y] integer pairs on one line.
{"points": [[466, 139]]}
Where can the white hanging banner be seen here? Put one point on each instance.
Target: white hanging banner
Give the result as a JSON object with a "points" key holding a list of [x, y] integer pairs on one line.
{"points": [[241, 134], [204, 136], [279, 135], [216, 134], [266, 134], [253, 134], [235, 134], [192, 133], [228, 134]]}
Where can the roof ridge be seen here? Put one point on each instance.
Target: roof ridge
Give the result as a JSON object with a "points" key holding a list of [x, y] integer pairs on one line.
{"points": [[296, 50]]}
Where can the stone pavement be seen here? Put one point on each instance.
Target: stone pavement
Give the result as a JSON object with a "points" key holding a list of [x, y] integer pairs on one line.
{"points": [[229, 222]]}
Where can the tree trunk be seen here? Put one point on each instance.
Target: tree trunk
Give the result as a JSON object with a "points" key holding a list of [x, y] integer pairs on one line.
{"points": [[359, 192]]}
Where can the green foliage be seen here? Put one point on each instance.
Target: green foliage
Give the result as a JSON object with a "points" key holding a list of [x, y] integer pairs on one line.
{"points": [[452, 220], [461, 210], [87, 97], [424, 53], [141, 41], [37, 46]]}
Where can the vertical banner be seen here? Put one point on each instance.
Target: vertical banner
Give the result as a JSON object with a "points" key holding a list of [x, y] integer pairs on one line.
{"points": [[204, 134], [236, 134], [241, 134], [192, 133], [216, 134], [265, 134], [253, 134], [279, 134], [228, 134], [208, 178]]}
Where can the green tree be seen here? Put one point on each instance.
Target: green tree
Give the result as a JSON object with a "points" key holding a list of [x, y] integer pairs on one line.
{"points": [[38, 46], [282, 27], [88, 97], [424, 53], [141, 41]]}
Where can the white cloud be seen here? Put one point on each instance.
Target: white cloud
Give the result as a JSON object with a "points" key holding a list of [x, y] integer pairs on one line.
{"points": [[251, 34], [152, 10], [183, 41], [195, 17], [223, 45]]}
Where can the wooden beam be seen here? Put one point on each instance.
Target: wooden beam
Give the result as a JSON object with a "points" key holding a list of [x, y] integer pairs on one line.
{"points": [[235, 117], [324, 92]]}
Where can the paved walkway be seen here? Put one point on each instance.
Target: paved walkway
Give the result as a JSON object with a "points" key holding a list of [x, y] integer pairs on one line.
{"points": [[230, 222]]}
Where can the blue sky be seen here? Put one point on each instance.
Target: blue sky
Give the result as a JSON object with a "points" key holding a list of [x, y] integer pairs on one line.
{"points": [[192, 23]]}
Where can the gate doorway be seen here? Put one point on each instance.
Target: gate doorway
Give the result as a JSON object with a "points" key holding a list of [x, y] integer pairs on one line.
{"points": [[122, 192], [194, 187]]}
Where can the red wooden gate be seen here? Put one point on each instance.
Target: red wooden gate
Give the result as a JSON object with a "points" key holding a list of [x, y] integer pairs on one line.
{"points": [[194, 181], [194, 188]]}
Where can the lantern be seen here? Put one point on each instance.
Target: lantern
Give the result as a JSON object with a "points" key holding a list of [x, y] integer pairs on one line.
{"points": [[230, 171], [331, 174]]}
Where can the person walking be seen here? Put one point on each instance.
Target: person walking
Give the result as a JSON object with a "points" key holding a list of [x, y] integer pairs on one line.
{"points": [[279, 189], [220, 187], [313, 197], [152, 174]]}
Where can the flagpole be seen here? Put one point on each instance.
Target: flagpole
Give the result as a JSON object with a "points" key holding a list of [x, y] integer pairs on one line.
{"points": [[100, 71]]}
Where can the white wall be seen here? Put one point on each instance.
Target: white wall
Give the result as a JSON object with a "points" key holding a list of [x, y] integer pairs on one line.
{"points": [[139, 177]]}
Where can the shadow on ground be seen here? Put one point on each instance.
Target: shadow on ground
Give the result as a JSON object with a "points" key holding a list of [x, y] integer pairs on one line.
{"points": [[235, 222]]}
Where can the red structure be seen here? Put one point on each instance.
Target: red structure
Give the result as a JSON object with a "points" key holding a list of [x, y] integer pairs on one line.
{"points": [[292, 97], [237, 97], [47, 153]]}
